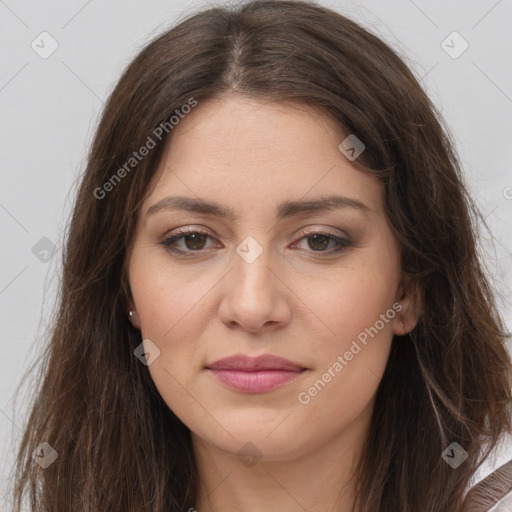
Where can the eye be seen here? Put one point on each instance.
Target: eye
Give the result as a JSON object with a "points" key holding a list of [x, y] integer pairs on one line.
{"points": [[318, 241], [193, 239], [187, 241]]}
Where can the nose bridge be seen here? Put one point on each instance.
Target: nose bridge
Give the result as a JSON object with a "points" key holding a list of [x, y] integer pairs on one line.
{"points": [[253, 295], [252, 262]]}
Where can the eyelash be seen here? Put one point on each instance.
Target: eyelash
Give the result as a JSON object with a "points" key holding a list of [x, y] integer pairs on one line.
{"points": [[167, 242]]}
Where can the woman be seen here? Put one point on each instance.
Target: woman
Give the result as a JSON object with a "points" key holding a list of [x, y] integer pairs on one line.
{"points": [[271, 298]]}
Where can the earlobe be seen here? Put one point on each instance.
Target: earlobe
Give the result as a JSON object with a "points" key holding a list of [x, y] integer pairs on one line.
{"points": [[409, 298], [133, 316], [400, 328]]}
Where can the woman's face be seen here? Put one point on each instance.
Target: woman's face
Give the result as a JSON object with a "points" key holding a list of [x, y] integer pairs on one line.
{"points": [[272, 271]]}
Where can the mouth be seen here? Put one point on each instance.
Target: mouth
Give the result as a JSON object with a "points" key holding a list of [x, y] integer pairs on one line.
{"points": [[255, 375]]}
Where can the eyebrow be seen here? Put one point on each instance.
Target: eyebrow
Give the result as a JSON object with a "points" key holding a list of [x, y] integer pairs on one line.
{"points": [[283, 210]]}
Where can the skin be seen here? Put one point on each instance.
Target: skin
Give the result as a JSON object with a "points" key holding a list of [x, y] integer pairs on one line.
{"points": [[290, 301]]}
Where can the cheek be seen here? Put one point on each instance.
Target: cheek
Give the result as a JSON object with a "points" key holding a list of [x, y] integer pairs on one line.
{"points": [[170, 304], [348, 371], [352, 302], [356, 310], [174, 310], [168, 300]]}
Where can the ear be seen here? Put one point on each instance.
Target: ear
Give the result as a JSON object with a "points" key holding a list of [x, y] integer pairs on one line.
{"points": [[133, 315], [409, 297]]}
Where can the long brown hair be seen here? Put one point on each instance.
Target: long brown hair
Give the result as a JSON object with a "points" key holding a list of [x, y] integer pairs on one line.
{"points": [[119, 445]]}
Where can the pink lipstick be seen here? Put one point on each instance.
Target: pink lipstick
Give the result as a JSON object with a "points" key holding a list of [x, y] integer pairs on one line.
{"points": [[255, 375]]}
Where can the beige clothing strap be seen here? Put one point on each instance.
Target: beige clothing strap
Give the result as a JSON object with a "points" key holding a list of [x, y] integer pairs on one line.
{"points": [[484, 496]]}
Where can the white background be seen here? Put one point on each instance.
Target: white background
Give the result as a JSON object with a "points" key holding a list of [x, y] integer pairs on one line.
{"points": [[49, 108]]}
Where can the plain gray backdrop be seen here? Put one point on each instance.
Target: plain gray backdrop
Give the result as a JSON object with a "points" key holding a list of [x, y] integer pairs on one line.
{"points": [[50, 103]]}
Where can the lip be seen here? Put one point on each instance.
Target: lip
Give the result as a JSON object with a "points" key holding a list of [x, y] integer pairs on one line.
{"points": [[255, 374]]}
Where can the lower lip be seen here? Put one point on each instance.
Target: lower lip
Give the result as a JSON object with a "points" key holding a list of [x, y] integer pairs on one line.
{"points": [[255, 381]]}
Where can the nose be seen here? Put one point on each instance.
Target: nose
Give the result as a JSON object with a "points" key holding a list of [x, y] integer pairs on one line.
{"points": [[255, 296]]}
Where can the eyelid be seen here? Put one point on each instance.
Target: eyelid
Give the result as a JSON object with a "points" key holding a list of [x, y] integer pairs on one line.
{"points": [[313, 230], [310, 230], [181, 232], [343, 240], [190, 229]]}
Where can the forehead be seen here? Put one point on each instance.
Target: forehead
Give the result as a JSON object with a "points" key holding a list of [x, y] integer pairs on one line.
{"points": [[236, 125], [254, 153]]}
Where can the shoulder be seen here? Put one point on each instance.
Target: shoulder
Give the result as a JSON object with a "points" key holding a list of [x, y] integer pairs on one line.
{"points": [[493, 493]]}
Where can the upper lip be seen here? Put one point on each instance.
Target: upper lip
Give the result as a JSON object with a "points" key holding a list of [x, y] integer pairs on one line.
{"points": [[247, 363]]}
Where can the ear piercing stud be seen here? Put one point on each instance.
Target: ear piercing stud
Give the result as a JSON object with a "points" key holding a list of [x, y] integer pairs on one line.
{"points": [[131, 313]]}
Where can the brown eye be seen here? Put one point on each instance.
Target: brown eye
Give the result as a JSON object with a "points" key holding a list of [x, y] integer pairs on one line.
{"points": [[186, 242], [195, 241], [320, 242]]}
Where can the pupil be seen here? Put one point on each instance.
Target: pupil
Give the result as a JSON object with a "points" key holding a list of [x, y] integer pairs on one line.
{"points": [[319, 238], [196, 241], [197, 238]]}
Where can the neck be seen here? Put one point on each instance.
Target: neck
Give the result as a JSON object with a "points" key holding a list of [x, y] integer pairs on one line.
{"points": [[316, 479]]}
